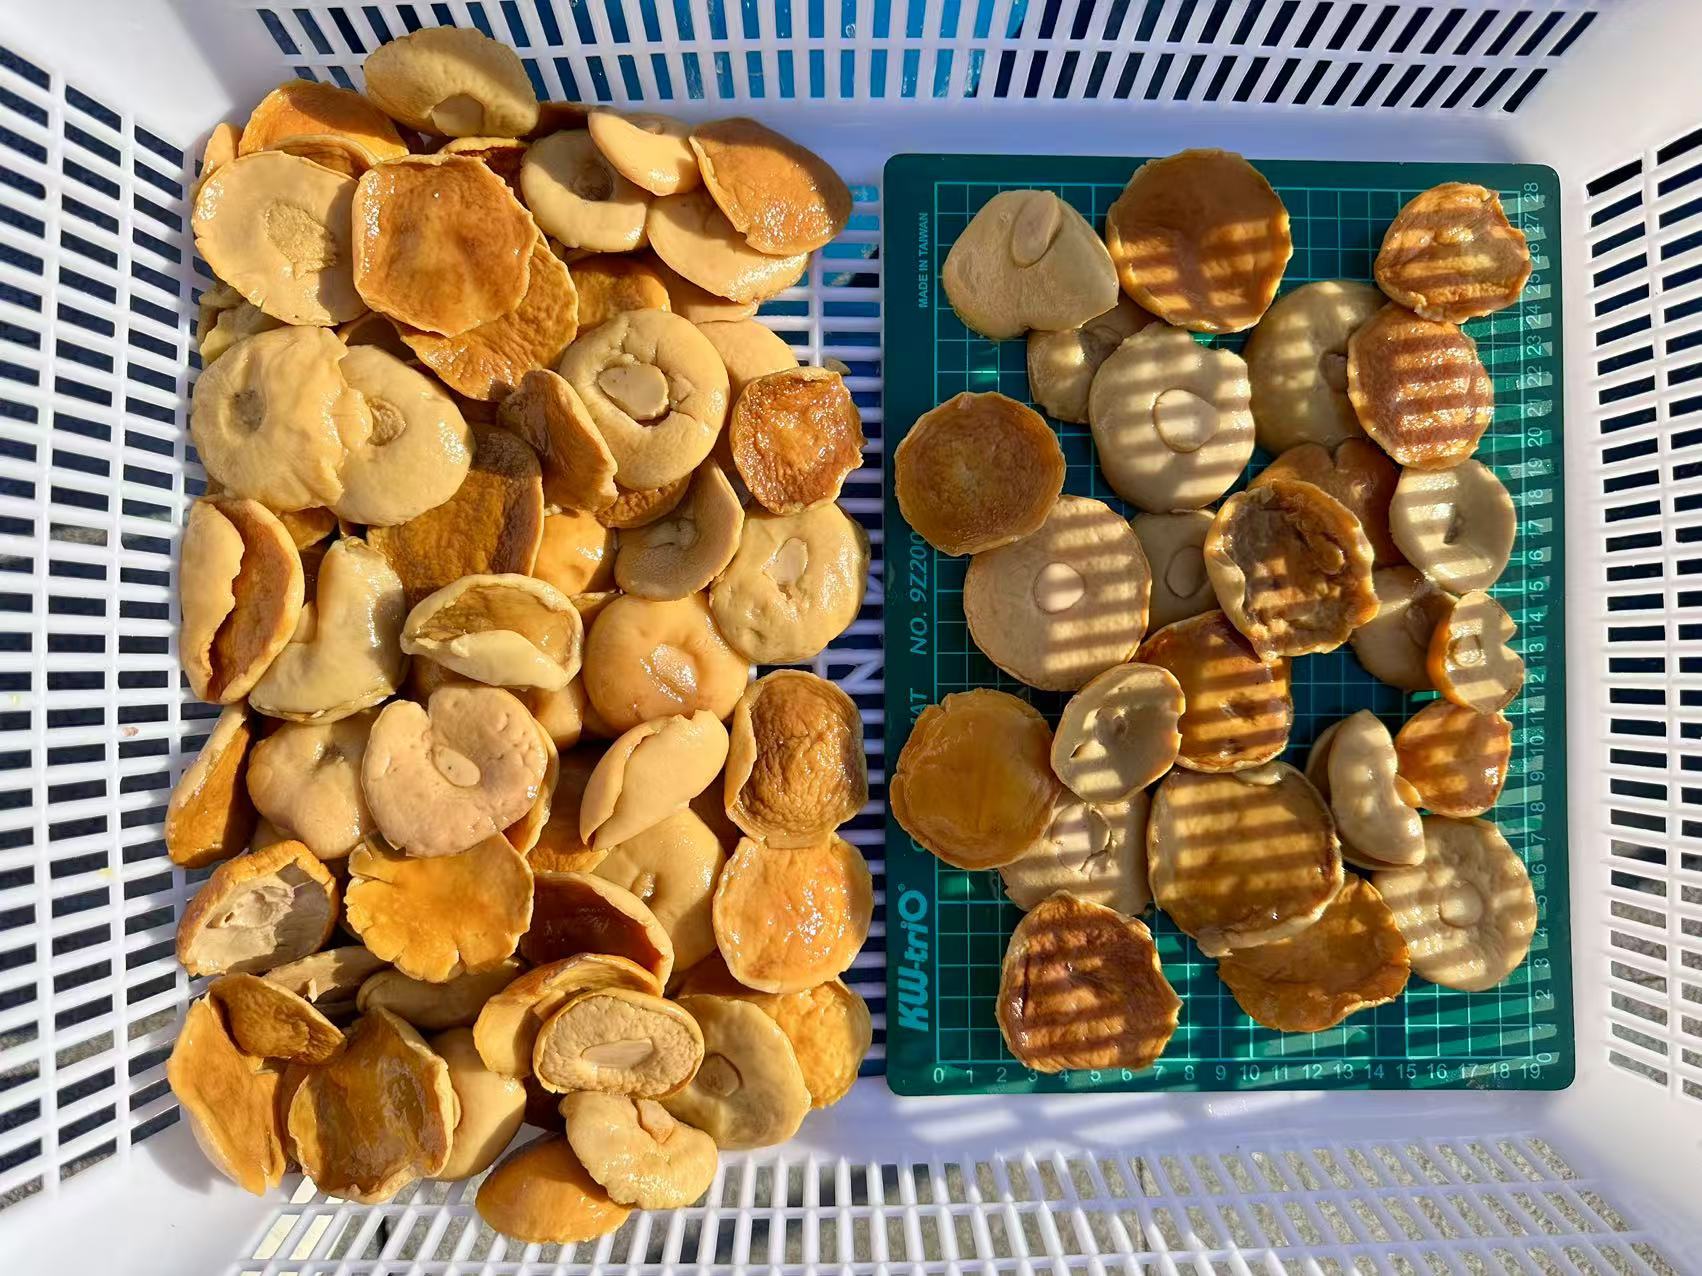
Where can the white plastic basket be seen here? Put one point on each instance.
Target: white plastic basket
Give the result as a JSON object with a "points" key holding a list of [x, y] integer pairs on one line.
{"points": [[103, 105]]}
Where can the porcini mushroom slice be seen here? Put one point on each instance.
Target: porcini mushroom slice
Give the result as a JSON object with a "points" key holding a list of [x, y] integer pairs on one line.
{"points": [[455, 1002], [303, 110], [376, 1117], [1237, 709], [638, 507], [672, 867], [1061, 365], [977, 472], [1174, 546], [579, 197], [1357, 473], [491, 1107], [278, 229], [1297, 364], [749, 1091], [651, 151], [1468, 912], [576, 913], [1471, 661], [646, 659], [641, 1155], [329, 980], [974, 780], [1200, 239], [1064, 604], [617, 1041], [1291, 567], [1455, 758], [1242, 859], [795, 764], [1455, 525], [608, 283], [454, 81], [508, 1023], [504, 630], [240, 595], [694, 238], [1095, 851], [576, 553], [210, 816], [1171, 420], [750, 349], [1351, 959], [794, 436], [1376, 821], [1082, 987], [684, 551], [649, 773], [442, 778], [230, 1098], [579, 468], [258, 910], [305, 778], [1451, 254], [541, 1195], [1418, 388], [795, 584], [1027, 260], [781, 197], [1119, 733], [1394, 645], [268, 1020], [789, 918]]}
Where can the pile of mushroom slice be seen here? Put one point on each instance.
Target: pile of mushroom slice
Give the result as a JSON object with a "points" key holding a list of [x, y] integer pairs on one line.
{"points": [[507, 494]]}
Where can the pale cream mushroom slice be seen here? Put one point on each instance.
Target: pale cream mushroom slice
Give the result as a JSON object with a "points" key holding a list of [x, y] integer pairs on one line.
{"points": [[1064, 604], [1237, 709], [455, 1002], [305, 778], [750, 349], [640, 1154], [637, 507], [1297, 364], [491, 1107], [649, 773], [1027, 260], [225, 319], [1376, 812], [750, 1091], [258, 910], [576, 913], [269, 1021], [509, 1022], [576, 553], [1175, 555], [1471, 659], [579, 197], [230, 1099], [329, 980], [1451, 254], [306, 111], [540, 1194], [699, 304], [684, 551], [617, 1041], [419, 450], [646, 659], [1455, 525], [504, 630], [579, 468], [442, 778], [789, 918], [795, 584], [1357, 473], [796, 769], [651, 151], [608, 283], [1394, 645], [454, 81], [1061, 365], [524, 833], [673, 868], [780, 196], [240, 587], [1171, 420], [794, 437], [210, 816], [1244, 858], [1094, 851], [1119, 733], [1419, 388], [1455, 758], [696, 241]]}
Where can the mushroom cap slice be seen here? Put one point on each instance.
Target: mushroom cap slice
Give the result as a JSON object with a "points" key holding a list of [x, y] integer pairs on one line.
{"points": [[1095, 851], [651, 151], [455, 1002], [269, 1021], [299, 110], [1064, 604], [541, 1195], [441, 779], [1394, 645], [374, 329], [638, 507], [649, 773], [1357, 473], [576, 553], [646, 659], [278, 229], [440, 242], [1471, 661], [258, 910], [1237, 708], [608, 283], [505, 630], [210, 816], [974, 780], [1451, 254], [977, 472], [1027, 260], [1291, 567], [789, 918], [795, 584], [794, 436], [219, 150], [1418, 388], [230, 1098], [1171, 420], [579, 468], [1200, 239], [579, 197], [749, 348], [508, 1023], [329, 980], [221, 326], [378, 1116], [491, 1107], [1082, 987], [435, 918], [1297, 364], [524, 833], [1061, 365], [1455, 525], [781, 197], [453, 81], [696, 241], [1351, 959], [1174, 546], [1376, 818], [750, 1091], [1455, 758], [617, 1041], [672, 867], [699, 304], [685, 550], [1119, 733], [641, 1155], [502, 155], [1468, 911], [575, 913], [1242, 859], [795, 763], [306, 779], [240, 596]]}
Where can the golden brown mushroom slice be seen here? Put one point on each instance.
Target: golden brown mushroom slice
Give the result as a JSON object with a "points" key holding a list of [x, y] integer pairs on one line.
{"points": [[1357, 473], [977, 472], [1452, 255], [454, 81], [1237, 709], [684, 551], [1297, 364], [455, 1002], [1291, 567], [641, 1155], [1468, 911], [609, 283], [509, 1022], [1200, 239], [794, 437], [1355, 767], [330, 980], [1119, 733], [639, 507], [1064, 604], [491, 1107], [974, 780], [210, 816], [1455, 758], [576, 553], [524, 833], [1027, 260], [374, 329], [1351, 959], [1394, 645], [647, 659], [579, 468], [672, 867], [1455, 525], [1419, 388], [269, 1021], [219, 150], [541, 1195], [299, 111], [240, 590], [781, 197], [617, 1041], [795, 584], [1242, 859], [1095, 851], [698, 304], [230, 1098], [378, 1116], [695, 240], [505, 630], [750, 1091], [419, 450], [789, 918], [1174, 546], [1471, 659], [649, 773], [259, 910], [651, 151], [1061, 365], [502, 155], [795, 763], [574, 913], [578, 196], [305, 778], [750, 349], [1082, 987]]}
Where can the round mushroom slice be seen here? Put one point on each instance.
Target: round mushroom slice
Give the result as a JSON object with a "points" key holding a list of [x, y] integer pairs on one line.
{"points": [[649, 773], [609, 283], [699, 304], [509, 1022], [750, 349], [301, 111], [330, 980], [240, 591], [1357, 473], [672, 867], [1452, 255], [617, 1041], [794, 437], [210, 817], [646, 659], [419, 450], [789, 918], [639, 507], [1081, 986], [576, 554], [977, 472], [1471, 661], [574, 913], [1119, 733], [974, 780], [651, 151], [795, 584], [230, 1099], [1394, 645], [1062, 365], [269, 1021], [220, 149], [503, 630], [1237, 709], [640, 1154], [684, 551], [1094, 851], [1174, 545], [1419, 389], [696, 241], [1455, 525], [541, 1195], [431, 1007], [1297, 364], [502, 155], [579, 198], [749, 1091], [1027, 260], [258, 910], [579, 468], [1375, 810], [1455, 758], [306, 779], [1291, 568], [491, 1107], [1242, 859], [453, 81], [795, 763], [1171, 420], [781, 197], [1064, 604]]}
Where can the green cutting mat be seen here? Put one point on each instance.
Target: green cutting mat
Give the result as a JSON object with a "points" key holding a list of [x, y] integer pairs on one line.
{"points": [[947, 928]]}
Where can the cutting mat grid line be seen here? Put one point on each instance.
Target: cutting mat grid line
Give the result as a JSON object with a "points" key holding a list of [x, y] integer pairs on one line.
{"points": [[948, 928]]}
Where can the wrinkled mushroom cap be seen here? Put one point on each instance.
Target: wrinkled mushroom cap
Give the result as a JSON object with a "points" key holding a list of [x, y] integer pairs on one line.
{"points": [[651, 151], [1451, 254], [420, 447], [1297, 364], [1357, 473], [609, 283], [1455, 758], [794, 436], [1418, 388], [781, 197], [1119, 732], [639, 1153], [269, 1021], [576, 553], [330, 980], [491, 1107], [637, 507], [504, 630], [576, 913], [672, 867], [258, 910], [210, 816], [749, 1091], [646, 659], [795, 584], [1237, 710], [455, 1002], [649, 773], [1394, 645], [1174, 546], [1095, 851], [305, 778], [230, 1098], [540, 1194], [617, 1041], [1470, 659], [579, 197], [1061, 365], [240, 595], [694, 239], [508, 1023], [1455, 525], [789, 918], [685, 550], [453, 81], [1377, 823], [795, 763], [579, 468]]}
